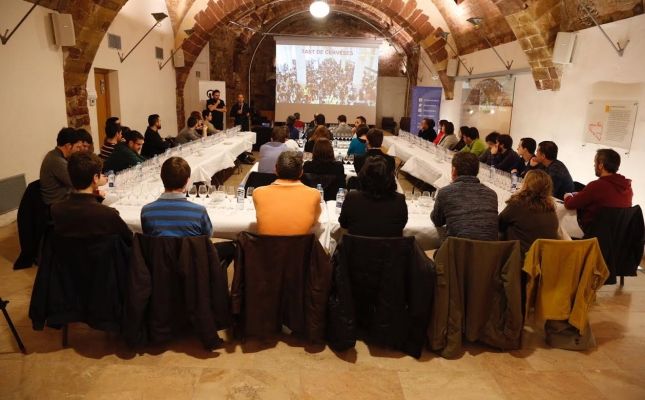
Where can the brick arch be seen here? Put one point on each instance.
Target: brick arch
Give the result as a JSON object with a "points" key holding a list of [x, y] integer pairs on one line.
{"points": [[410, 25], [536, 27]]}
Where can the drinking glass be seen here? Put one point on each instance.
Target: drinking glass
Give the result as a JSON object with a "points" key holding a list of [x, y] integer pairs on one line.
{"points": [[249, 192], [193, 191], [203, 191], [351, 159]]}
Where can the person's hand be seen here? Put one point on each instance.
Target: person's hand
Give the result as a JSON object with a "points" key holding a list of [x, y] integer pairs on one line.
{"points": [[567, 195], [533, 162], [514, 171]]}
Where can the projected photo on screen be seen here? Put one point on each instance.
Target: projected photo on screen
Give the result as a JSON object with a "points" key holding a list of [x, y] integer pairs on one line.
{"points": [[326, 75]]}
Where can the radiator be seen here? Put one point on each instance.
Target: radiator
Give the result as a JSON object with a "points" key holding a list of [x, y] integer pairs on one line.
{"points": [[11, 190]]}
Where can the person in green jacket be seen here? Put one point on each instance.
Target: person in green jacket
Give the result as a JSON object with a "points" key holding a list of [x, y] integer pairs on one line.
{"points": [[126, 154], [473, 143]]}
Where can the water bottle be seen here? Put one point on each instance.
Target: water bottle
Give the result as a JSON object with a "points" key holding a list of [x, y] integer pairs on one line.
{"points": [[340, 198], [335, 142], [514, 182], [491, 173], [322, 193], [111, 179], [240, 197]]}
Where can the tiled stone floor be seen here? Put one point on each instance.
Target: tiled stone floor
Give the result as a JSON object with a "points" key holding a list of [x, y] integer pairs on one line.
{"points": [[97, 365]]}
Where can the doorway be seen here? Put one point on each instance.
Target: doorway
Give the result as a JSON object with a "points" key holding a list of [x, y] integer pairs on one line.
{"points": [[103, 111]]}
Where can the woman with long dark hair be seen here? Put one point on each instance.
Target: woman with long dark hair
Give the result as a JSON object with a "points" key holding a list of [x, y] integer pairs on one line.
{"points": [[376, 209], [323, 161]]}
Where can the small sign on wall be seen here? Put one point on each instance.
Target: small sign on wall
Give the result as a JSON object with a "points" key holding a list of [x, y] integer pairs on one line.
{"points": [[611, 122]]}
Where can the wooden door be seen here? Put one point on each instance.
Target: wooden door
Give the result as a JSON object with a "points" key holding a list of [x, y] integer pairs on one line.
{"points": [[102, 87]]}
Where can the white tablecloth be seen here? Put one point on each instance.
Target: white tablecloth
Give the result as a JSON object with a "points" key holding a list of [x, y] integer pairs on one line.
{"points": [[424, 165]]}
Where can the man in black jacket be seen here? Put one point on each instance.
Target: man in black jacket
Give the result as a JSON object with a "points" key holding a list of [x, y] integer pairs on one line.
{"points": [[374, 143], [241, 112], [427, 131], [154, 144]]}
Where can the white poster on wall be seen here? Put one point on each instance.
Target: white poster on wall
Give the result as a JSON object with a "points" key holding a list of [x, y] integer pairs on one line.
{"points": [[611, 122], [206, 89]]}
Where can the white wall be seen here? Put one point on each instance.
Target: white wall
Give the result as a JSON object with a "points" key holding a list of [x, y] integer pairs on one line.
{"points": [[191, 90], [560, 115], [390, 98], [142, 88], [32, 99]]}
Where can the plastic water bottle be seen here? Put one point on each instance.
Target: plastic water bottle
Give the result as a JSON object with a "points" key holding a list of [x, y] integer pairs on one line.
{"points": [[340, 198], [111, 179], [335, 142], [514, 182], [322, 193], [491, 173], [240, 197]]}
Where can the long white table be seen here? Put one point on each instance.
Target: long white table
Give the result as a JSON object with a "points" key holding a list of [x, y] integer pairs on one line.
{"points": [[436, 170]]}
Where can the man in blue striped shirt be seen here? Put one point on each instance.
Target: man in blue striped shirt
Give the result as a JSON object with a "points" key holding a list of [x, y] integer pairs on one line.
{"points": [[172, 214]]}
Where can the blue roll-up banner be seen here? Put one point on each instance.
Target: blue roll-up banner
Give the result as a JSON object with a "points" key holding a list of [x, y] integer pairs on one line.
{"points": [[426, 102]]}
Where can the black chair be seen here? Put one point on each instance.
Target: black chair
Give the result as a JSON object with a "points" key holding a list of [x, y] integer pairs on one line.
{"points": [[3, 307], [32, 222], [577, 186], [621, 236], [80, 280], [388, 124], [329, 183], [404, 123], [259, 179], [174, 283], [383, 286]]}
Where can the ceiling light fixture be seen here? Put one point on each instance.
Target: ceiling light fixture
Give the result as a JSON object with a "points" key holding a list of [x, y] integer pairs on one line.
{"points": [[444, 35], [158, 18], [319, 9], [477, 23]]}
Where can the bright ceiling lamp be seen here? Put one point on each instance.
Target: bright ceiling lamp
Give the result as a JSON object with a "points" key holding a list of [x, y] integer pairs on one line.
{"points": [[319, 9]]}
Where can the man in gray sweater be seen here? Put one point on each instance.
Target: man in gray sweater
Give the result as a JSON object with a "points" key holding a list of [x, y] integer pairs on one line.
{"points": [[55, 183], [467, 207]]}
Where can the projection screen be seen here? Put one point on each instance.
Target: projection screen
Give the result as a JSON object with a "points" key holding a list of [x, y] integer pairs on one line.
{"points": [[329, 76]]}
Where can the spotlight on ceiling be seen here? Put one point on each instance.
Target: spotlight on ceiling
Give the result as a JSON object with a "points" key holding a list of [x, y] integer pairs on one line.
{"points": [[319, 9], [476, 21]]}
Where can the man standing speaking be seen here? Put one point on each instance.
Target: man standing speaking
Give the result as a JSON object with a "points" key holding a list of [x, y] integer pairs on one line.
{"points": [[241, 112]]}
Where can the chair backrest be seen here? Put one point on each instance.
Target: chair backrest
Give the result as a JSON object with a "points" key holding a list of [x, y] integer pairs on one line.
{"points": [[81, 279], [621, 236], [259, 179], [329, 183], [404, 123], [385, 285], [281, 280], [174, 281]]}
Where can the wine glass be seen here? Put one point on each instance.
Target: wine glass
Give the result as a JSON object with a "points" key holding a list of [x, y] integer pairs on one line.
{"points": [[193, 191], [351, 159], [249, 192]]}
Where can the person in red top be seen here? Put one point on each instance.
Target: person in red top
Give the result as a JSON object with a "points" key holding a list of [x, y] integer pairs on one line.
{"points": [[442, 131], [609, 190]]}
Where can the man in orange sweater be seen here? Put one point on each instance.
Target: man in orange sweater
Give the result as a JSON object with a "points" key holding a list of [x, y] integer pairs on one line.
{"points": [[287, 207]]}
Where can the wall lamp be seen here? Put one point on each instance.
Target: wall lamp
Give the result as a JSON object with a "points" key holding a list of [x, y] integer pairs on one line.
{"points": [[158, 18], [176, 49], [5, 38], [444, 36], [477, 23], [620, 49]]}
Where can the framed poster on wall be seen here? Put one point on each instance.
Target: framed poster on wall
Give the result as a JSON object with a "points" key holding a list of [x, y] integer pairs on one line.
{"points": [[611, 122], [488, 104]]}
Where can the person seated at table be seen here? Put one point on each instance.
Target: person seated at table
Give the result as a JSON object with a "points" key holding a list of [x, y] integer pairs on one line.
{"points": [[374, 143], [610, 190], [189, 133], [287, 207], [293, 132], [207, 118], [320, 132], [319, 120], [55, 184], [427, 131], [126, 154], [449, 139], [503, 157], [270, 151], [298, 124], [358, 122], [87, 143], [323, 161], [534, 200], [173, 215], [343, 129], [442, 131], [466, 207], [474, 144], [358, 145], [547, 158], [460, 143], [153, 144], [82, 214], [491, 141], [526, 152], [376, 209], [113, 136]]}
